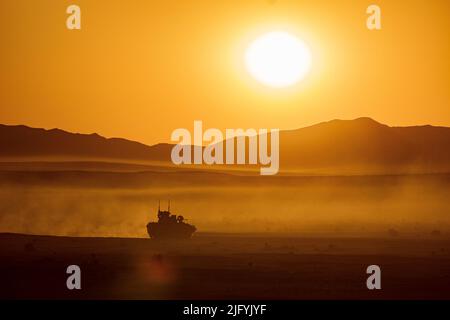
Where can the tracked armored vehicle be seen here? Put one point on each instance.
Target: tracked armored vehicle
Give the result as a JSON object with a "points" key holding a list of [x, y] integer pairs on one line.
{"points": [[170, 226]]}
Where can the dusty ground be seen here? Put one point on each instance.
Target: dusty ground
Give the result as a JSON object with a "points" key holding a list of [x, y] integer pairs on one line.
{"points": [[218, 266]]}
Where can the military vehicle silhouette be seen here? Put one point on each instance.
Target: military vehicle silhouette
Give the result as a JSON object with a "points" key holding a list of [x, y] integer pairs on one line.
{"points": [[169, 226]]}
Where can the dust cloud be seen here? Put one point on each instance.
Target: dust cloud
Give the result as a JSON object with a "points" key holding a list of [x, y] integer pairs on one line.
{"points": [[121, 204]]}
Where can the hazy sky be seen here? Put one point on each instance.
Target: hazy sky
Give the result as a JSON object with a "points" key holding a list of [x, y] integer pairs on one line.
{"points": [[140, 69]]}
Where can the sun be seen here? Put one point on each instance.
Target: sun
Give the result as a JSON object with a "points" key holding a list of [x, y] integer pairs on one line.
{"points": [[278, 59]]}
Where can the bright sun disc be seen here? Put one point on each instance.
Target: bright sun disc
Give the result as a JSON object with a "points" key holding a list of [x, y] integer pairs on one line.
{"points": [[278, 59]]}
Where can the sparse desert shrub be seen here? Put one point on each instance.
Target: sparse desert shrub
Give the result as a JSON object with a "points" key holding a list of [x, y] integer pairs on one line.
{"points": [[393, 232], [436, 233], [29, 247]]}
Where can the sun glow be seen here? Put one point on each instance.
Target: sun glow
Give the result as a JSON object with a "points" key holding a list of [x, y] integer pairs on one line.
{"points": [[278, 59]]}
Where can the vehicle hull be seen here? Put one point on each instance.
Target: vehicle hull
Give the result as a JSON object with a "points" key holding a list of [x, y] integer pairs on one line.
{"points": [[170, 230]]}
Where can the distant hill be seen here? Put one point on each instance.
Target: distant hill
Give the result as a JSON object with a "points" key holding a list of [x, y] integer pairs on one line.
{"points": [[360, 145], [365, 144], [23, 142]]}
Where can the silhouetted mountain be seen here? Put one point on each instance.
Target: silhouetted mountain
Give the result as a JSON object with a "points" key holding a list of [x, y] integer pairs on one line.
{"points": [[23, 141], [360, 145], [364, 143]]}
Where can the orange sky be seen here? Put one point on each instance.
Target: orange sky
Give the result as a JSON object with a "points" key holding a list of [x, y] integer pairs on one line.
{"points": [[140, 69]]}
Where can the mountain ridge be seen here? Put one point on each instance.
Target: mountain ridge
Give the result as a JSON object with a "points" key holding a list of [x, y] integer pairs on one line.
{"points": [[361, 142]]}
